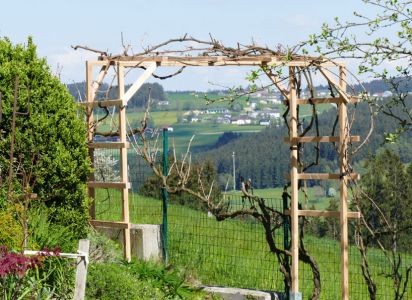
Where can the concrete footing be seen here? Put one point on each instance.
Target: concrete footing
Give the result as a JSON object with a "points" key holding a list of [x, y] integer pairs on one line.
{"points": [[145, 239], [240, 294], [295, 296]]}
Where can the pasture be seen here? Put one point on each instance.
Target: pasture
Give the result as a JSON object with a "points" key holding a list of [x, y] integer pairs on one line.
{"points": [[234, 252]]}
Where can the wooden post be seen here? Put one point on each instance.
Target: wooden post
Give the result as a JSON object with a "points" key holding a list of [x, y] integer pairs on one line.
{"points": [[294, 293], [123, 165], [343, 141], [81, 270], [89, 121]]}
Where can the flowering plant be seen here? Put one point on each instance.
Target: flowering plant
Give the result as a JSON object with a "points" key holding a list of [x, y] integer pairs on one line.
{"points": [[15, 281]]}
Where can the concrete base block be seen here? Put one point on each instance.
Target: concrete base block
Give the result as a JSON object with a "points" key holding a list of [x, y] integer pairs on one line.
{"points": [[240, 294], [295, 296], [146, 242]]}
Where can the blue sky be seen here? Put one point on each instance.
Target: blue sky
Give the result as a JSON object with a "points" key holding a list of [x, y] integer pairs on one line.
{"points": [[56, 25]]}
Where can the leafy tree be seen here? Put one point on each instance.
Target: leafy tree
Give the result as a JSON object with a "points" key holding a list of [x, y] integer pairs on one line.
{"points": [[50, 140], [387, 182], [385, 204], [381, 46]]}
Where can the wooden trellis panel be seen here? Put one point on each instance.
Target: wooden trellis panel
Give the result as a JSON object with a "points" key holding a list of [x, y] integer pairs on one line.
{"points": [[151, 62]]}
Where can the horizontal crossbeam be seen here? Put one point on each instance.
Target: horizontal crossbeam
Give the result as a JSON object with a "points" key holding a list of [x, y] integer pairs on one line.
{"points": [[103, 103], [108, 185], [331, 100], [110, 224], [109, 145], [319, 139], [323, 176], [205, 61], [324, 213]]}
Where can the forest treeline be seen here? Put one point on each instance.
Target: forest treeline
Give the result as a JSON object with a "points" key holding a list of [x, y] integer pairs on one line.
{"points": [[138, 100], [78, 90], [264, 157]]}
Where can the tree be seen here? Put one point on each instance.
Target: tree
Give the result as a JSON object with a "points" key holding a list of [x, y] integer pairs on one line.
{"points": [[381, 46], [50, 139], [385, 205]]}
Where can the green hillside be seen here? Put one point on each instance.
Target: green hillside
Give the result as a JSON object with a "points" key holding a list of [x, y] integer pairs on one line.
{"points": [[234, 252]]}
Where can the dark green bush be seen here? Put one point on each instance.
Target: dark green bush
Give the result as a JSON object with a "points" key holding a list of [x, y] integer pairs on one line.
{"points": [[50, 139]]}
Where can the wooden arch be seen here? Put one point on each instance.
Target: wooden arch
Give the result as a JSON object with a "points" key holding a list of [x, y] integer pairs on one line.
{"points": [[151, 62]]}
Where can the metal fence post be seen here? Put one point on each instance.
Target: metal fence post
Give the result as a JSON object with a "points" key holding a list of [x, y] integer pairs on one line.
{"points": [[164, 193], [286, 244]]}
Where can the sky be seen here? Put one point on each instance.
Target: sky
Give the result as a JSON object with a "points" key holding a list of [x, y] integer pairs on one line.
{"points": [[56, 25]]}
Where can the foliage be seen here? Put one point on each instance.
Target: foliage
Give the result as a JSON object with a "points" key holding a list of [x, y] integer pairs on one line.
{"points": [[102, 249], [380, 44], [42, 233], [37, 277], [171, 282], [50, 140], [384, 201], [105, 167], [387, 182], [136, 280], [11, 233]]}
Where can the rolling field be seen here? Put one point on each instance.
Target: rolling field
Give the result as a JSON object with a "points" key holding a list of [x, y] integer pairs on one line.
{"points": [[234, 252], [206, 134]]}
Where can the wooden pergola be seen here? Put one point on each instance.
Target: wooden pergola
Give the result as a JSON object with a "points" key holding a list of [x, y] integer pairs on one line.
{"points": [[151, 62]]}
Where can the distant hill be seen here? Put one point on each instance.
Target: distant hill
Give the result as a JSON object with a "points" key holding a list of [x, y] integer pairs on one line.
{"points": [[264, 157], [380, 86], [78, 90]]}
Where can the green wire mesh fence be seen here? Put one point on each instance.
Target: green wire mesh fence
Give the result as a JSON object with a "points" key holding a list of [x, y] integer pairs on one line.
{"points": [[235, 253]]}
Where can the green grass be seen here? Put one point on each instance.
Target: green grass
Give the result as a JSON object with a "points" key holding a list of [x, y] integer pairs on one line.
{"points": [[206, 134], [197, 100], [315, 196], [234, 252]]}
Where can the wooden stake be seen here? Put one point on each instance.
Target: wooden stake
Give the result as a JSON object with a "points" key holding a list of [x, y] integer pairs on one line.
{"points": [[343, 189], [81, 270], [123, 165], [294, 183]]}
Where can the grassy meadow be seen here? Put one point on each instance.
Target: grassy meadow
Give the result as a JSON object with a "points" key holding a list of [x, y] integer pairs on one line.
{"points": [[234, 252]]}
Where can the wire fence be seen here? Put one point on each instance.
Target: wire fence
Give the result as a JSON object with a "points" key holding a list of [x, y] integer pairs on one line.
{"points": [[235, 252]]}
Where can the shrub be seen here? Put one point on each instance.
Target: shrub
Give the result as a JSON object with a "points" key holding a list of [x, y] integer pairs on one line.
{"points": [[42, 233], [35, 277], [113, 282], [138, 280], [50, 140], [11, 233]]}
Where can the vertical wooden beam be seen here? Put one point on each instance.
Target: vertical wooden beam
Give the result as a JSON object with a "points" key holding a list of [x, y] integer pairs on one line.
{"points": [[343, 142], [123, 165], [294, 185], [89, 121]]}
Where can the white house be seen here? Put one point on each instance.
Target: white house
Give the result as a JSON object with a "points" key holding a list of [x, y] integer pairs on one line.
{"points": [[212, 111], [264, 122]]}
